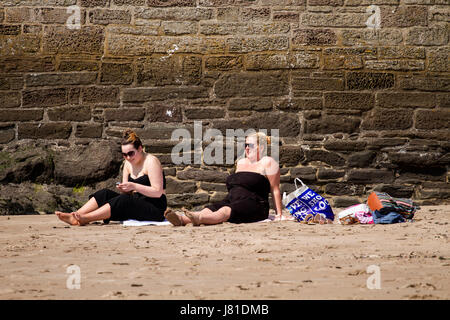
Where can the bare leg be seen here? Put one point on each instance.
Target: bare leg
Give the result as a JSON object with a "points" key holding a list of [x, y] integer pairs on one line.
{"points": [[102, 213], [89, 206], [206, 216], [68, 218]]}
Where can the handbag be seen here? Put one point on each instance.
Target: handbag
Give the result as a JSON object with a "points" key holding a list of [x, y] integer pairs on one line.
{"points": [[305, 205]]}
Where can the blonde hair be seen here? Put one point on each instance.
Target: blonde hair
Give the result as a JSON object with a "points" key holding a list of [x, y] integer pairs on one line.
{"points": [[260, 136]]}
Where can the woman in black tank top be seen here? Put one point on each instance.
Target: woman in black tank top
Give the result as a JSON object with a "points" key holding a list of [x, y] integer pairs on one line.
{"points": [[140, 198], [248, 191]]}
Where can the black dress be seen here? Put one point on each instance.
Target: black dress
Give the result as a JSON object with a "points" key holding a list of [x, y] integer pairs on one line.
{"points": [[248, 197], [135, 205]]}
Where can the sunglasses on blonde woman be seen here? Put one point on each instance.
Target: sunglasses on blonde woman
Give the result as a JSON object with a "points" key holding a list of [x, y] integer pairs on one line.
{"points": [[128, 154], [250, 145]]}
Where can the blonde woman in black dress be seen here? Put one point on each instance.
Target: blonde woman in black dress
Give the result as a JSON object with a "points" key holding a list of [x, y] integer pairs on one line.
{"points": [[141, 194], [248, 190]]}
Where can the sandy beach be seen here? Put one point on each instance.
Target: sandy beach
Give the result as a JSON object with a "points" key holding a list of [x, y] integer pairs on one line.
{"points": [[268, 260]]}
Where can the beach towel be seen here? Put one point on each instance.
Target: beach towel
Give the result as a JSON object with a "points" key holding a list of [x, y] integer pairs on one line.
{"points": [[136, 223]]}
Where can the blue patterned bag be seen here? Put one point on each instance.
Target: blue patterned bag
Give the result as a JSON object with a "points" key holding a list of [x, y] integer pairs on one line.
{"points": [[305, 205]]}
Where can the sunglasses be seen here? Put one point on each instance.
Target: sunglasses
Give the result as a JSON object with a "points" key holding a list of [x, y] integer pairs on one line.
{"points": [[250, 145], [129, 154]]}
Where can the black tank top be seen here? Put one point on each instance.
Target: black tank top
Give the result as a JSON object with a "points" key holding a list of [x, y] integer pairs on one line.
{"points": [[245, 184], [144, 180]]}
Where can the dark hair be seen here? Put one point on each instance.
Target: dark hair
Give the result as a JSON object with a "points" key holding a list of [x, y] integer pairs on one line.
{"points": [[129, 136]]}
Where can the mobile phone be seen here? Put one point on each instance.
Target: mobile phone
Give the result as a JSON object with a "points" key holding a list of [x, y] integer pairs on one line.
{"points": [[117, 183]]}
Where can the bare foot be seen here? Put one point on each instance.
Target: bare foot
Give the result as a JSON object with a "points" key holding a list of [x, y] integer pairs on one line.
{"points": [[193, 216], [174, 218], [83, 221], [67, 218]]}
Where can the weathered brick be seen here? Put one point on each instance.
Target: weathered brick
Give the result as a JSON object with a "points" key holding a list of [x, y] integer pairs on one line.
{"points": [[224, 63], [301, 83], [349, 100], [401, 53], [7, 115], [204, 113], [32, 29], [352, 37], [164, 112], [10, 99], [187, 200], [388, 119], [334, 62], [180, 187], [100, 94], [369, 80], [396, 65], [403, 16], [142, 30], [370, 2], [116, 73], [151, 94], [306, 174], [418, 159], [439, 14], [297, 60], [334, 20], [10, 83], [78, 113], [370, 176], [438, 59], [7, 135], [243, 28], [175, 70], [361, 159], [406, 99], [60, 79], [291, 156], [433, 119], [314, 37], [427, 36], [78, 65], [252, 84], [44, 97], [94, 3], [105, 16], [256, 104], [344, 145], [256, 44], [91, 130], [334, 3], [206, 175], [129, 114], [208, 186], [347, 189], [9, 30], [286, 16], [332, 124], [130, 2], [297, 104], [329, 174], [423, 83], [255, 14], [331, 158]]}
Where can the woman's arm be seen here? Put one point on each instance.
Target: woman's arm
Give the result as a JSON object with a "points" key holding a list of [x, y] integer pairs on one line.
{"points": [[155, 173], [125, 174], [273, 174]]}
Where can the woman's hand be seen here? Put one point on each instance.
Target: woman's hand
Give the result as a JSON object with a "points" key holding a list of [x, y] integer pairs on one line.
{"points": [[127, 187]]}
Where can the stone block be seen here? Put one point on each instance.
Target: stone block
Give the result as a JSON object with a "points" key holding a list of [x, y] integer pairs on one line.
{"points": [[174, 14], [78, 65], [10, 99], [204, 113], [19, 45], [306, 174], [344, 202], [427, 36], [179, 27], [252, 84], [349, 100], [224, 63], [9, 30], [154, 94], [44, 97], [345, 145], [401, 52], [406, 99], [291, 156], [116, 73], [285, 16], [369, 80], [44, 130], [438, 59], [94, 3], [171, 3], [106, 16], [256, 104], [91, 130], [344, 188], [96, 95], [130, 2], [370, 176], [162, 131], [7, 135], [297, 104], [398, 191], [164, 112], [175, 186], [255, 14], [396, 65], [314, 37], [78, 113], [204, 175], [347, 20], [423, 83], [187, 200], [330, 174], [8, 115], [10, 83], [175, 70], [361, 159], [331, 158], [59, 39], [407, 159], [297, 60], [359, 37], [403, 16], [432, 119], [60, 79], [388, 119], [313, 84], [239, 44], [208, 186], [128, 114], [331, 124]]}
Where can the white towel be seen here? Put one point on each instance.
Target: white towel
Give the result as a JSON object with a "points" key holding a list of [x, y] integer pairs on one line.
{"points": [[136, 223]]}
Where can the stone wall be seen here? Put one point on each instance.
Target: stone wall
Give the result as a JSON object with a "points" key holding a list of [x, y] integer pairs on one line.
{"points": [[360, 95]]}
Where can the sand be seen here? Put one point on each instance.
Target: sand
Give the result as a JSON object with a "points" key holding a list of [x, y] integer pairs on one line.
{"points": [[271, 260]]}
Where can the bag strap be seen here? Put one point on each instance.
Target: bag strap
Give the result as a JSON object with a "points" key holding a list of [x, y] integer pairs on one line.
{"points": [[295, 182]]}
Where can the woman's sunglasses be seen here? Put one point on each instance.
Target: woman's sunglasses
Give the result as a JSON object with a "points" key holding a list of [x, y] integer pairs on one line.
{"points": [[128, 154], [250, 145]]}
